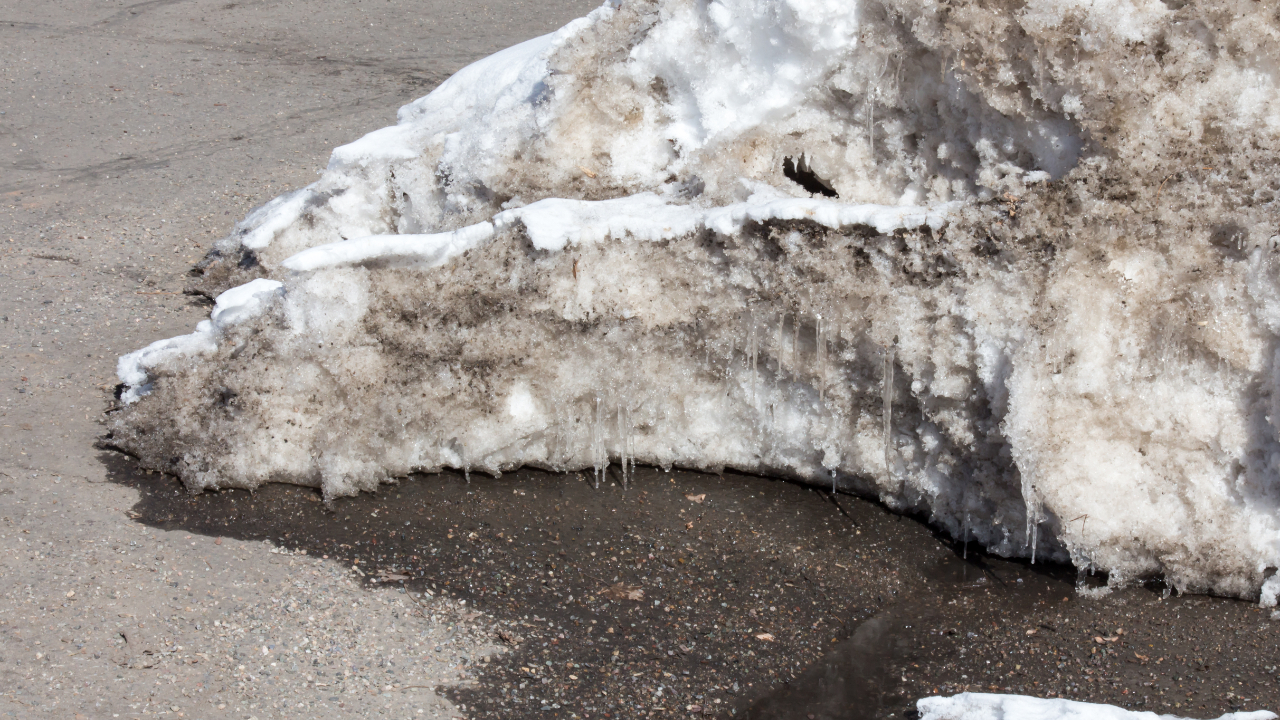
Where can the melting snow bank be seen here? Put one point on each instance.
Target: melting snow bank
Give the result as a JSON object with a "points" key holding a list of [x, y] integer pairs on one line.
{"points": [[1011, 270], [983, 706]]}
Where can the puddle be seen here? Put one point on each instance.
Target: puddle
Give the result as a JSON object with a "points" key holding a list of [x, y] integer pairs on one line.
{"points": [[737, 596]]}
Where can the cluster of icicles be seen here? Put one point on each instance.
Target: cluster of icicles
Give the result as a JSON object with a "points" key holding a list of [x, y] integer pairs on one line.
{"points": [[783, 336], [779, 334]]}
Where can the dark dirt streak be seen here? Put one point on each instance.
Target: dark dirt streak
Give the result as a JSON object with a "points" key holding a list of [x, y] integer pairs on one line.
{"points": [[162, 157], [134, 12], [867, 610], [127, 14], [19, 25], [408, 72]]}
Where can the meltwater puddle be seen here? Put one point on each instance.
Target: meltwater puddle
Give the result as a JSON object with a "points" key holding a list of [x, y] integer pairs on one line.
{"points": [[738, 596]]}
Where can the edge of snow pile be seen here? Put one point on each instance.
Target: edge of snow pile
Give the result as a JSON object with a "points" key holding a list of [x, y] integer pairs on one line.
{"points": [[987, 706], [237, 305]]}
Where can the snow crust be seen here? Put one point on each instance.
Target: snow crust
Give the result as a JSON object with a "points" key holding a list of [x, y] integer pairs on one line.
{"points": [[984, 706], [1010, 267]]}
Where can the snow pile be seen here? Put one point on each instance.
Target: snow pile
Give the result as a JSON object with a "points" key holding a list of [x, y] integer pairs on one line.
{"points": [[983, 706], [1011, 267]]}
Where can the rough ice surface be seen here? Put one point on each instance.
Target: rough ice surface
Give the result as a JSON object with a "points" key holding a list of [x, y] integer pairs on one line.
{"points": [[984, 706], [1005, 261]]}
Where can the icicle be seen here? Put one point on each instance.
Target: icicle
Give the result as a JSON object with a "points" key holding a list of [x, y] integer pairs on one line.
{"points": [[728, 366], [795, 346], [887, 397], [752, 346], [1033, 515], [871, 123], [820, 355], [624, 440], [628, 445], [1084, 538], [964, 533], [833, 481], [755, 363], [777, 350], [599, 457], [1035, 536]]}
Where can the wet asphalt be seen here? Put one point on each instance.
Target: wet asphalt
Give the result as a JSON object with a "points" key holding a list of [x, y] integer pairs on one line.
{"points": [[689, 594]]}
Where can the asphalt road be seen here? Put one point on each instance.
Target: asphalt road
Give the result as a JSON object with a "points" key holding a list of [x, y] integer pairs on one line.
{"points": [[133, 135]]}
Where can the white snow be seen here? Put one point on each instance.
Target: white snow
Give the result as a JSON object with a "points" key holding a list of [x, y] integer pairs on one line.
{"points": [[984, 706], [555, 223], [427, 250], [272, 218], [964, 262]]}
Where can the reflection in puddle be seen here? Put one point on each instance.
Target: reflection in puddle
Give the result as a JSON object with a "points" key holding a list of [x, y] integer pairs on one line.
{"points": [[862, 676]]}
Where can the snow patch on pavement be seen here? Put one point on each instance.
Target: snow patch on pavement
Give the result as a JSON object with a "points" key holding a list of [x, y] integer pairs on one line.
{"points": [[984, 706]]}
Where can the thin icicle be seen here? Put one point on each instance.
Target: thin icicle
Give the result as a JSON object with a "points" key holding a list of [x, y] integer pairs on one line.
{"points": [[752, 350], [777, 350], [795, 346], [631, 446], [871, 123], [820, 355], [599, 457], [886, 394], [624, 441], [1032, 504], [1035, 536], [964, 533], [728, 366]]}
